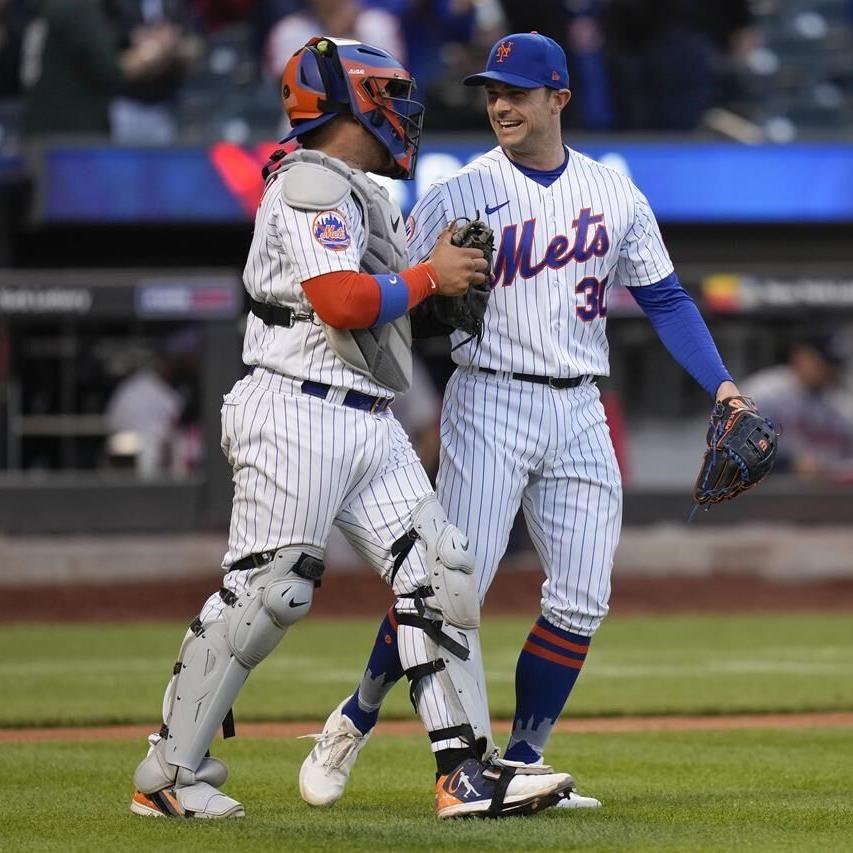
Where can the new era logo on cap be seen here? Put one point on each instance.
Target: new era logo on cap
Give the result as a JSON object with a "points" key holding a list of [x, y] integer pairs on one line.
{"points": [[527, 60]]}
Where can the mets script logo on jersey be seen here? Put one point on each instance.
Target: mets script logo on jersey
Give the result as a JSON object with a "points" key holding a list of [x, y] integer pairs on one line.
{"points": [[515, 254], [504, 50], [330, 230]]}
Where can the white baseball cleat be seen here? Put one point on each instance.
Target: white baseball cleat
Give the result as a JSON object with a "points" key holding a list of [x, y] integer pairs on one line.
{"points": [[197, 801], [325, 772], [574, 800]]}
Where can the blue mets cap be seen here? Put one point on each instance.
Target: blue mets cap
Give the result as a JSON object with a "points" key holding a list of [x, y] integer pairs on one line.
{"points": [[527, 60]]}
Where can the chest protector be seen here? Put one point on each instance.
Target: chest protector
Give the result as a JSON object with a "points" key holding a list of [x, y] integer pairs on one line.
{"points": [[314, 181]]}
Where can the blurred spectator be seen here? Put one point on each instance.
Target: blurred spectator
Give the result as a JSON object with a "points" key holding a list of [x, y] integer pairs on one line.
{"points": [[444, 41], [152, 415], [214, 14], [342, 18], [641, 64], [665, 57], [807, 399], [72, 67], [430, 27], [144, 111], [12, 25]]}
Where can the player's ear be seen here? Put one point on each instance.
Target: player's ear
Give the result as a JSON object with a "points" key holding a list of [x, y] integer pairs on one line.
{"points": [[559, 99]]}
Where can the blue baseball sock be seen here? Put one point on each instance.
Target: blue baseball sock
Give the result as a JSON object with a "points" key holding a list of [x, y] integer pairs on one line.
{"points": [[548, 666], [383, 672]]}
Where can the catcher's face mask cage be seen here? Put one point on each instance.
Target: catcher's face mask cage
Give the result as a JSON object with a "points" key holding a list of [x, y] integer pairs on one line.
{"points": [[329, 77]]}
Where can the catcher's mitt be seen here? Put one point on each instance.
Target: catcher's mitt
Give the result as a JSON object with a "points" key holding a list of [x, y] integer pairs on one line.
{"points": [[741, 451], [441, 315]]}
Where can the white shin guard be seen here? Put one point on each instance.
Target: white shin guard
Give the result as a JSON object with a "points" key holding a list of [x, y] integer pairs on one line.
{"points": [[217, 657], [447, 685], [442, 640]]}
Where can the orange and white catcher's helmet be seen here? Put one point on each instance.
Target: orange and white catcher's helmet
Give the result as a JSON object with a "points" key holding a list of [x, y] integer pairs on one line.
{"points": [[332, 76]]}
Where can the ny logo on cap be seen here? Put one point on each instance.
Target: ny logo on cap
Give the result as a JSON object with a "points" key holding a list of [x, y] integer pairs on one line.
{"points": [[504, 50]]}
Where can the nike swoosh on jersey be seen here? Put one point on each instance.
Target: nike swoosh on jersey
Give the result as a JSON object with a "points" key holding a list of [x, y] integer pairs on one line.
{"points": [[496, 208], [395, 223]]}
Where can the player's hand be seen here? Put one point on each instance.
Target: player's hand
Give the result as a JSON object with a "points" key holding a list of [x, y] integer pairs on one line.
{"points": [[457, 268], [727, 389]]}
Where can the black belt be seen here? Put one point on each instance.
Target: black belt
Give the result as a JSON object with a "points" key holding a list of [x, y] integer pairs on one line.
{"points": [[552, 381], [353, 399], [278, 315]]}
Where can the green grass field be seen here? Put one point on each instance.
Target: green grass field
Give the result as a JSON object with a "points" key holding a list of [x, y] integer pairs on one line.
{"points": [[92, 674], [737, 790]]}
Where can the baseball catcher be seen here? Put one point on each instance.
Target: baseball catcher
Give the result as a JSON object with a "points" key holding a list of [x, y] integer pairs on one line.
{"points": [[740, 453], [442, 315], [328, 343]]}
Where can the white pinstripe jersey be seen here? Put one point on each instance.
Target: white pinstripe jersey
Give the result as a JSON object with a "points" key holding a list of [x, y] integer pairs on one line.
{"points": [[559, 249], [290, 246]]}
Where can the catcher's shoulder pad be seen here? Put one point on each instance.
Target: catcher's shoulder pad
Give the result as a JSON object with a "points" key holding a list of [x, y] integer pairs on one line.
{"points": [[311, 186]]}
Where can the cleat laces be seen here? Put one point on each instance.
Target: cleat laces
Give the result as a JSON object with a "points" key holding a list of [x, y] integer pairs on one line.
{"points": [[340, 744]]}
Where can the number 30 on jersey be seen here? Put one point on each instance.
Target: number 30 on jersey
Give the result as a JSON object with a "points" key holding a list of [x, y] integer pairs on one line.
{"points": [[594, 294]]}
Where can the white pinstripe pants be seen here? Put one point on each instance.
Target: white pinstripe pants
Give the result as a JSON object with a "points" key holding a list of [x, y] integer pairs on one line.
{"points": [[506, 444], [302, 464]]}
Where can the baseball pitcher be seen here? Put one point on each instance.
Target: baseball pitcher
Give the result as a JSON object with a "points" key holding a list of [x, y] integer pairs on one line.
{"points": [[522, 422]]}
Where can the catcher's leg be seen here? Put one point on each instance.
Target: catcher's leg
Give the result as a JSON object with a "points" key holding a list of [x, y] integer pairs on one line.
{"points": [[325, 772], [440, 651], [237, 629], [382, 672], [437, 620], [378, 523], [469, 505]]}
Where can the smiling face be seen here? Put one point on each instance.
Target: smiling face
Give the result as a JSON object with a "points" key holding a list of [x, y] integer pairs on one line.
{"points": [[526, 122]]}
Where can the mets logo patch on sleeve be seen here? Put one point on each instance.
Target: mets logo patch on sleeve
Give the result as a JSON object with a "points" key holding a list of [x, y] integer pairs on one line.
{"points": [[330, 230]]}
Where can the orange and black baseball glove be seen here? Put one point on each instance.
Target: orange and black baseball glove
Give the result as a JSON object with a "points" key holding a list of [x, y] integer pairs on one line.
{"points": [[741, 450], [442, 315]]}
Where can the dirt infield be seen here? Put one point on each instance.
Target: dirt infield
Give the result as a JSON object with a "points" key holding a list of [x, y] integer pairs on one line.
{"points": [[400, 728], [363, 594]]}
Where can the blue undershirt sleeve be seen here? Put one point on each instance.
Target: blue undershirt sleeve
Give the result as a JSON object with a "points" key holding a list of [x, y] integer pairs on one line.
{"points": [[678, 323]]}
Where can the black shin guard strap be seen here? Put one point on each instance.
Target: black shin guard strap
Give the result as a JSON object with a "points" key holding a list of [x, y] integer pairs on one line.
{"points": [[400, 550], [418, 672], [228, 724], [497, 804], [434, 632], [464, 732]]}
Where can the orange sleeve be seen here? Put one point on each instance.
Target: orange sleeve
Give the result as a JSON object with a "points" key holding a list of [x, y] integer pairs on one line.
{"points": [[355, 300]]}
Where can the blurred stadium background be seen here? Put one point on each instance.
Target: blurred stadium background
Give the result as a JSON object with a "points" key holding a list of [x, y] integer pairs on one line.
{"points": [[131, 138]]}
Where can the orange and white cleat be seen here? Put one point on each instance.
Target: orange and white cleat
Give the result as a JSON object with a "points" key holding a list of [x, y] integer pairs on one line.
{"points": [[198, 801], [491, 789]]}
